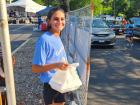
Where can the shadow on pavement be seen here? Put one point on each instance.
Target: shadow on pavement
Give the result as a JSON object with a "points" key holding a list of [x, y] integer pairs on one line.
{"points": [[115, 75]]}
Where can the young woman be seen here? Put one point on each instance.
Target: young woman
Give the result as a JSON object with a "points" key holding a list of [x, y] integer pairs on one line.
{"points": [[49, 56]]}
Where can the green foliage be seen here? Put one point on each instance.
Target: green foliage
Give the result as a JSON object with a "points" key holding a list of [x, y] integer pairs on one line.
{"points": [[40, 2], [76, 4], [121, 15], [107, 10], [121, 6], [98, 8], [128, 8], [55, 3], [135, 7]]}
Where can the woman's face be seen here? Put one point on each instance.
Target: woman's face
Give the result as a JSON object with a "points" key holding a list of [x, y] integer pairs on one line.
{"points": [[57, 21]]}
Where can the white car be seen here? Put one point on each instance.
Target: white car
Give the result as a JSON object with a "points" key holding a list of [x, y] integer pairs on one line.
{"points": [[102, 35]]}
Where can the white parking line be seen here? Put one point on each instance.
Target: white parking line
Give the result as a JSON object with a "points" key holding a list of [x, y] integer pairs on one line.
{"points": [[17, 28], [13, 52]]}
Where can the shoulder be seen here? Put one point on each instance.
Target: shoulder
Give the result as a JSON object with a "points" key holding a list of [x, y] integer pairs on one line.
{"points": [[44, 38]]}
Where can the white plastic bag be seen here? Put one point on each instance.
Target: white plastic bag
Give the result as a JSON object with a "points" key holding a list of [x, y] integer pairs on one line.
{"points": [[66, 81]]}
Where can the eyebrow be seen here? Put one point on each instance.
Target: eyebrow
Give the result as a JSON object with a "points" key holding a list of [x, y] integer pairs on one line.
{"points": [[59, 18]]}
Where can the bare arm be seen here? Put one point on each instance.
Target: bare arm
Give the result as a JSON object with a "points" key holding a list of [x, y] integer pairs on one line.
{"points": [[44, 68]]}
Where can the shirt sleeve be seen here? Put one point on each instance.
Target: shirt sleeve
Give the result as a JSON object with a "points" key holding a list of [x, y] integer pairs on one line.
{"points": [[41, 52]]}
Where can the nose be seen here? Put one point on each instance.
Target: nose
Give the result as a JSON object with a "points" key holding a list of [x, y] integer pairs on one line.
{"points": [[60, 21]]}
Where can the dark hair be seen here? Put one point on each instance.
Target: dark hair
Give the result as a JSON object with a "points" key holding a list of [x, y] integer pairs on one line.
{"points": [[51, 12]]}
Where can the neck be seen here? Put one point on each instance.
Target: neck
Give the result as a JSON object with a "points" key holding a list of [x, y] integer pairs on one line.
{"points": [[56, 33]]}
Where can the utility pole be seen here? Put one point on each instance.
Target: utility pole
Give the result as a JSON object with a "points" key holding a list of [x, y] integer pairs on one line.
{"points": [[48, 2], [68, 5], [7, 56], [114, 8]]}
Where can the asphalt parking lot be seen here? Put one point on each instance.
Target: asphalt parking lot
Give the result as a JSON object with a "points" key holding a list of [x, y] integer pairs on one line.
{"points": [[115, 74]]}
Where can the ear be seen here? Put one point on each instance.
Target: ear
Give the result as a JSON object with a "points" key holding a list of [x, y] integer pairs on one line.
{"points": [[49, 23]]}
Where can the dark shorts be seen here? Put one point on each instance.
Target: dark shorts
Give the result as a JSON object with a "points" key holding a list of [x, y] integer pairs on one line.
{"points": [[2, 82], [50, 95]]}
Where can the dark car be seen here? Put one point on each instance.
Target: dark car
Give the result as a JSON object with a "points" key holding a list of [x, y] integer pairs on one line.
{"points": [[116, 26], [118, 29]]}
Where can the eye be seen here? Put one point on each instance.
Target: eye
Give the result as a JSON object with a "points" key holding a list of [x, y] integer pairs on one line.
{"points": [[62, 19], [56, 19]]}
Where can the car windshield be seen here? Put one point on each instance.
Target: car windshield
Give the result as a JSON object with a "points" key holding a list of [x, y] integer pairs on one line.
{"points": [[98, 23]]}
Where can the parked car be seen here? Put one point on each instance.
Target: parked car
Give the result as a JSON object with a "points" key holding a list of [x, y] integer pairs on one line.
{"points": [[116, 26], [118, 29], [102, 35], [136, 26]]}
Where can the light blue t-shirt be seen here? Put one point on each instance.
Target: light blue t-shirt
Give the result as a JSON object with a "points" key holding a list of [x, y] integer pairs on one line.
{"points": [[48, 50]]}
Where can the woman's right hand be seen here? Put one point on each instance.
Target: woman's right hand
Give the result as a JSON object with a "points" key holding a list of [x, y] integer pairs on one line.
{"points": [[62, 66]]}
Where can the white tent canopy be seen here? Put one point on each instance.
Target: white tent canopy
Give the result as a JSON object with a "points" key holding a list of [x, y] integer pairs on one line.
{"points": [[29, 5]]}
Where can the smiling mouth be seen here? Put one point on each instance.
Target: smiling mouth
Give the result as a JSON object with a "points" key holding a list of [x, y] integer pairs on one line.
{"points": [[59, 26]]}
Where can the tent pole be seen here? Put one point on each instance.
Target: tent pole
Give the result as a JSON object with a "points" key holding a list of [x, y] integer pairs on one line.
{"points": [[10, 1], [7, 56]]}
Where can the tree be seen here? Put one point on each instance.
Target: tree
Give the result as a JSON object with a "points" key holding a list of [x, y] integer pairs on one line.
{"points": [[98, 7], [40, 2], [64, 4], [76, 4], [135, 7], [127, 8], [121, 6]]}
